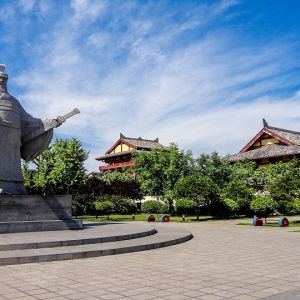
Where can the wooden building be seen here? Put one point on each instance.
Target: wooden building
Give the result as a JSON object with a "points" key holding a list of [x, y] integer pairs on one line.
{"points": [[119, 154], [270, 145]]}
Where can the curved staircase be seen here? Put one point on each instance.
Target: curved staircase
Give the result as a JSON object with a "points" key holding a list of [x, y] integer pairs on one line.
{"points": [[95, 240]]}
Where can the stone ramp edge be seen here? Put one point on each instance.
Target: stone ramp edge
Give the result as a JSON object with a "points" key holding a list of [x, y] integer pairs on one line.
{"points": [[57, 255], [77, 242]]}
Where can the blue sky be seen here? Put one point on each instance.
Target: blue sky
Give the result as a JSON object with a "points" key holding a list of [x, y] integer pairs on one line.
{"points": [[199, 73]]}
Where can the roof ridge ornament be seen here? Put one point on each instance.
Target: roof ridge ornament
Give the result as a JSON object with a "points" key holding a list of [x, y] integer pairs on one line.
{"points": [[122, 136], [265, 124]]}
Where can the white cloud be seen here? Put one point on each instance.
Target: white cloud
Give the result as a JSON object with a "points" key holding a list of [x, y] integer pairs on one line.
{"points": [[27, 5], [7, 13], [87, 10], [227, 129], [224, 5], [208, 94]]}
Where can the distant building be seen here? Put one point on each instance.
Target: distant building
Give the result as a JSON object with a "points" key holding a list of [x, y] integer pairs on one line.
{"points": [[119, 155], [270, 145]]}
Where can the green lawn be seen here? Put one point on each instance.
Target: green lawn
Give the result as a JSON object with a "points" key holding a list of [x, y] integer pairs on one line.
{"points": [[189, 219], [140, 217]]}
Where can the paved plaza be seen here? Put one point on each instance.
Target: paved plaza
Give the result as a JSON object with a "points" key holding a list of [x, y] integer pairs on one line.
{"points": [[222, 261]]}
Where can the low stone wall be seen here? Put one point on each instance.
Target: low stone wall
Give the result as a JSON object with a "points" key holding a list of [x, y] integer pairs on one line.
{"points": [[20, 213], [33, 207]]}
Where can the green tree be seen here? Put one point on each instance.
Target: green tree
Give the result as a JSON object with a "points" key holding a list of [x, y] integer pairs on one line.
{"points": [[185, 206], [158, 170], [284, 183], [121, 183], [240, 192], [103, 207], [293, 207], [200, 189], [60, 169], [152, 207], [109, 177], [231, 207], [121, 204], [82, 204], [263, 205], [215, 167], [241, 186], [28, 175], [244, 171]]}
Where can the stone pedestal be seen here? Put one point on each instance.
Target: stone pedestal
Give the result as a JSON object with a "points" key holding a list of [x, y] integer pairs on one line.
{"points": [[24, 213]]}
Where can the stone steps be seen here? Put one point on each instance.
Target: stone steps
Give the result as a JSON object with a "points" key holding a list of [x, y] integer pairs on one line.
{"points": [[93, 242], [89, 238]]}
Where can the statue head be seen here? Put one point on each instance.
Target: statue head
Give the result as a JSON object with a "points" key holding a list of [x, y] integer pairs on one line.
{"points": [[3, 77]]}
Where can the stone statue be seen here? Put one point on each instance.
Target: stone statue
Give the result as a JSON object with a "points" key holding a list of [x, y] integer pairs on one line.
{"points": [[21, 136]]}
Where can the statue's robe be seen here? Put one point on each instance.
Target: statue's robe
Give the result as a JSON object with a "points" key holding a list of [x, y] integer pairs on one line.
{"points": [[15, 124]]}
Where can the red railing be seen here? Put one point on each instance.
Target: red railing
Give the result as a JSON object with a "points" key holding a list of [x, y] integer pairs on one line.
{"points": [[117, 165]]}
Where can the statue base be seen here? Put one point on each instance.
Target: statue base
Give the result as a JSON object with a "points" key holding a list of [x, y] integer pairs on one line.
{"points": [[26, 213]]}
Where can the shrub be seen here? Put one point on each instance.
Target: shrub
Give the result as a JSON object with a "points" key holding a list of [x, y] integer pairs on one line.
{"points": [[124, 206], [185, 206], [240, 192], [199, 188], [152, 207], [231, 207], [121, 204], [104, 207], [293, 207], [263, 205], [82, 204], [165, 209]]}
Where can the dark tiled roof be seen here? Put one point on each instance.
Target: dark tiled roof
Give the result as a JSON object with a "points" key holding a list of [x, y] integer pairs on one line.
{"points": [[137, 143], [266, 151], [292, 136], [142, 143], [113, 155]]}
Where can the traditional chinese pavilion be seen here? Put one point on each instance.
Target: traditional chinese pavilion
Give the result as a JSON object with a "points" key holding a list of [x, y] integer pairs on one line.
{"points": [[119, 155], [270, 145]]}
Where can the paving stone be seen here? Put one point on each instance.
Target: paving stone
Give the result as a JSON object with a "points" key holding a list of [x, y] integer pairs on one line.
{"points": [[20, 251], [260, 294], [223, 261], [46, 296], [176, 297], [209, 297], [244, 297], [110, 296], [226, 294], [36, 291], [286, 295], [193, 294], [210, 290], [143, 297]]}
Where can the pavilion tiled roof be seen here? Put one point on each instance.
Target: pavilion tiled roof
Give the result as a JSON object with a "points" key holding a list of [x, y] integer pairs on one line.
{"points": [[142, 143], [136, 143], [114, 155], [266, 151], [292, 138]]}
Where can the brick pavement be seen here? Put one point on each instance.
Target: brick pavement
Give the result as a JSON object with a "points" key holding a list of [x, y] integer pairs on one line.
{"points": [[223, 261]]}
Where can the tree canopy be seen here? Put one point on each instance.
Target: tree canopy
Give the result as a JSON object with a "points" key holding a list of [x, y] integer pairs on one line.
{"points": [[158, 170], [59, 170], [209, 183]]}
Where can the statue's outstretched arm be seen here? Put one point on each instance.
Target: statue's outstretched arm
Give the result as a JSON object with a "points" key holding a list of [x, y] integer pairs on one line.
{"points": [[48, 125]]}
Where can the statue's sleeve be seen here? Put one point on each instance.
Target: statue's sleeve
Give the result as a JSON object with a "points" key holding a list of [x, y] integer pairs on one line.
{"points": [[32, 148]]}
